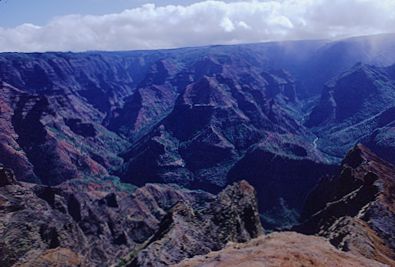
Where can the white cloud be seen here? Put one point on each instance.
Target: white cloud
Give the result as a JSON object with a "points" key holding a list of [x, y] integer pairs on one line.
{"points": [[227, 24], [205, 22]]}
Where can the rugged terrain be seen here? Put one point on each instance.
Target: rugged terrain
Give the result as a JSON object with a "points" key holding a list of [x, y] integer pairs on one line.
{"points": [[357, 106], [281, 249], [100, 223], [202, 118], [87, 223], [355, 209]]}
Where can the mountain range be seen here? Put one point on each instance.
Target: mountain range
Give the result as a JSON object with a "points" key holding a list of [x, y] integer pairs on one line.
{"points": [[91, 137]]}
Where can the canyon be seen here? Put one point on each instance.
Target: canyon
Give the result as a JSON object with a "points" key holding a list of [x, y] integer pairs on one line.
{"points": [[149, 158]]}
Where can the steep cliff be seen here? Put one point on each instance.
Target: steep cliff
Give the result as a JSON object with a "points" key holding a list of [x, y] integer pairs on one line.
{"points": [[355, 209]]}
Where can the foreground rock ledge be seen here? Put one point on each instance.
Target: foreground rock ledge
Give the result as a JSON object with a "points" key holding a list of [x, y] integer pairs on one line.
{"points": [[281, 249]]}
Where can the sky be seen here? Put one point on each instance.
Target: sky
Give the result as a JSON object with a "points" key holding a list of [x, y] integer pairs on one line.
{"points": [[80, 25]]}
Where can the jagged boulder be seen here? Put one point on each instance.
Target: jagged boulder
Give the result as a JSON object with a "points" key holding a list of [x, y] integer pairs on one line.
{"points": [[7, 177]]}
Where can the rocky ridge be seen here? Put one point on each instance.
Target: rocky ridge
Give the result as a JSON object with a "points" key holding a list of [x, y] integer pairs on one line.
{"points": [[98, 224], [51, 138], [355, 209]]}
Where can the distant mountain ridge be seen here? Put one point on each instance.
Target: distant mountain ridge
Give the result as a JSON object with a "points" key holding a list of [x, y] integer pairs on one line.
{"points": [[357, 106]]}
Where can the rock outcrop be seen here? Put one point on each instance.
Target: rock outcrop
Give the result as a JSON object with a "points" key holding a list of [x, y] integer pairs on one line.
{"points": [[7, 177], [82, 223], [355, 210], [281, 249], [232, 217]]}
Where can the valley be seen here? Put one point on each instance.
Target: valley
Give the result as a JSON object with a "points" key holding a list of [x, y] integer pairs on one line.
{"points": [[153, 157]]}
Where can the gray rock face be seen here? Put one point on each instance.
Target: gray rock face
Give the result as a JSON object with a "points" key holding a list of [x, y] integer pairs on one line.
{"points": [[98, 224]]}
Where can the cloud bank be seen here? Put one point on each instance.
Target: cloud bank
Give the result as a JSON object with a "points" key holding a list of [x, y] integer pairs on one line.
{"points": [[203, 23]]}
